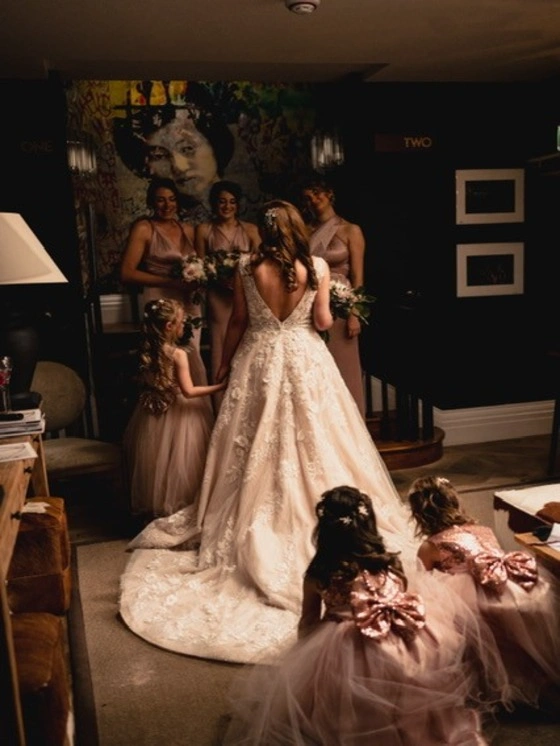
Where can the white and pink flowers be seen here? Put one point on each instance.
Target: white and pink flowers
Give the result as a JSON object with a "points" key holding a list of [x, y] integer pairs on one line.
{"points": [[346, 301]]}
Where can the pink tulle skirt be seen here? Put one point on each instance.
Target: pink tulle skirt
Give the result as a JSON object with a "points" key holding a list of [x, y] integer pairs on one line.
{"points": [[337, 687], [526, 628]]}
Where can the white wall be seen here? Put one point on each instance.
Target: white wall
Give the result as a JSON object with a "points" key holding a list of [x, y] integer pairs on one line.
{"points": [[483, 424]]}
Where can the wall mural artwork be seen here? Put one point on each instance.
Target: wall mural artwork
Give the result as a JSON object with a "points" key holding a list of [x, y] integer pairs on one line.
{"points": [[193, 132]]}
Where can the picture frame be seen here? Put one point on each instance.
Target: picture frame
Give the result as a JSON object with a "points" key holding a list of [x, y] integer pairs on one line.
{"points": [[490, 196], [490, 269]]}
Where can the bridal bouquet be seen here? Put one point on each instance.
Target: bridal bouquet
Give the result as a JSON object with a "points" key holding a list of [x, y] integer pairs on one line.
{"points": [[192, 270], [346, 301], [221, 266]]}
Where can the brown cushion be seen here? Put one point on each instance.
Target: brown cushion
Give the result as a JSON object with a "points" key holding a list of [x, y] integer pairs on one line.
{"points": [[42, 677], [39, 574]]}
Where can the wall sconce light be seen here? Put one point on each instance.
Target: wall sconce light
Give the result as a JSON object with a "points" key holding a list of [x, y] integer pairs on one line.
{"points": [[82, 162], [326, 151], [81, 155]]}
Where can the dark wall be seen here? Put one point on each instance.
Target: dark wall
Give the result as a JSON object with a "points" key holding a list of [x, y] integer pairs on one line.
{"points": [[36, 184], [458, 352]]}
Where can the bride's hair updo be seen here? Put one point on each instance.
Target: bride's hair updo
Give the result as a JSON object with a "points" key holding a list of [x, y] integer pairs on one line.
{"points": [[284, 239]]}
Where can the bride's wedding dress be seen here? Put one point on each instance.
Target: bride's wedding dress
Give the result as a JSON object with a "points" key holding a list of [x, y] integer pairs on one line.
{"points": [[288, 429]]}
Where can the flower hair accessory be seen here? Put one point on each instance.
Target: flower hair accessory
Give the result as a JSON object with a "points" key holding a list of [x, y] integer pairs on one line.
{"points": [[270, 217], [153, 307]]}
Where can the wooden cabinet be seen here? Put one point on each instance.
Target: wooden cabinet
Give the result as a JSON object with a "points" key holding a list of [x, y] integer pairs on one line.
{"points": [[16, 479], [544, 553]]}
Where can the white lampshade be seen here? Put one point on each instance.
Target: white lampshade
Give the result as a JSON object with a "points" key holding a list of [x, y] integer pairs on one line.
{"points": [[23, 258]]}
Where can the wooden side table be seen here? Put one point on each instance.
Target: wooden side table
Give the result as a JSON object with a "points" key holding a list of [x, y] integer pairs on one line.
{"points": [[549, 557], [17, 478]]}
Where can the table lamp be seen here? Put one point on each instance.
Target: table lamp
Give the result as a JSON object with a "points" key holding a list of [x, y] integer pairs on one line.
{"points": [[23, 261]]}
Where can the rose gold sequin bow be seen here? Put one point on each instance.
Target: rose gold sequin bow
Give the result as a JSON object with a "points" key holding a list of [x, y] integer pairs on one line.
{"points": [[402, 613], [493, 571]]}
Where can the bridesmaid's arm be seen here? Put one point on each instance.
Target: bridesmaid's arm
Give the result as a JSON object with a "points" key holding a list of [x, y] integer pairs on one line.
{"points": [[236, 327], [188, 230], [139, 238], [322, 316], [200, 233], [356, 249]]}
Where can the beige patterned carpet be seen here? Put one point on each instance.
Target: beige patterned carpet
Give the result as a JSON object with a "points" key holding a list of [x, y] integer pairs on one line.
{"points": [[128, 692]]}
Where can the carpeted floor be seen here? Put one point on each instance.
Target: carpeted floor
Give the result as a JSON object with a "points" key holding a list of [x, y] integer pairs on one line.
{"points": [[128, 692]]}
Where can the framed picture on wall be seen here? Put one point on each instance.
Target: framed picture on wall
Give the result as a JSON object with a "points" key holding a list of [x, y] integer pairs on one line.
{"points": [[490, 269], [490, 196]]}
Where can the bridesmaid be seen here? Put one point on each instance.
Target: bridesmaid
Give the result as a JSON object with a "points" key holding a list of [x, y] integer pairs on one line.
{"points": [[224, 233], [342, 245], [155, 245]]}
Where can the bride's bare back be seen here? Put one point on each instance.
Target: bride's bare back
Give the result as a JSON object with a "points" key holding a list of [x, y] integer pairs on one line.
{"points": [[268, 281]]}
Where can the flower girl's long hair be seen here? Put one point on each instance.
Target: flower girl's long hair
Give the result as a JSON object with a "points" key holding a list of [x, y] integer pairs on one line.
{"points": [[156, 378], [285, 239], [347, 539]]}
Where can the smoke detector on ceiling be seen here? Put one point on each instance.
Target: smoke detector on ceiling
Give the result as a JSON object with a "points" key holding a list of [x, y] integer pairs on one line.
{"points": [[303, 8]]}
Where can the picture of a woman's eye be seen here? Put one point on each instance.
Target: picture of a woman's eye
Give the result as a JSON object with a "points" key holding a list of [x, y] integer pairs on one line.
{"points": [[186, 149], [158, 154]]}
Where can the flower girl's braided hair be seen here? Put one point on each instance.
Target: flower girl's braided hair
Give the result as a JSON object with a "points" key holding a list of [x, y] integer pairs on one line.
{"points": [[435, 505], [156, 379], [346, 538], [284, 239]]}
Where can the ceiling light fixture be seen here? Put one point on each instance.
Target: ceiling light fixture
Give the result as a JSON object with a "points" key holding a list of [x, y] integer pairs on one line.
{"points": [[302, 8]]}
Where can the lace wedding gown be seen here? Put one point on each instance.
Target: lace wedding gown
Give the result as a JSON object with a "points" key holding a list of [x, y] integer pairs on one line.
{"points": [[288, 429]]}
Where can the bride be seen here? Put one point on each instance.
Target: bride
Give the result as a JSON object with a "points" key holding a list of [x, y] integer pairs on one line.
{"points": [[223, 580]]}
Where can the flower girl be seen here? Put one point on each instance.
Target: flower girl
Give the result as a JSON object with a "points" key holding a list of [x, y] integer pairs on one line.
{"points": [[377, 662], [166, 439], [518, 601]]}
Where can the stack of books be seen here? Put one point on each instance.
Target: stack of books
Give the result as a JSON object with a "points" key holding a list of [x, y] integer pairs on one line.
{"points": [[21, 422]]}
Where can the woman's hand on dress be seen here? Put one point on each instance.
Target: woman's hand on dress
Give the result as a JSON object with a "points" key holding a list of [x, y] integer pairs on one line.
{"points": [[353, 326]]}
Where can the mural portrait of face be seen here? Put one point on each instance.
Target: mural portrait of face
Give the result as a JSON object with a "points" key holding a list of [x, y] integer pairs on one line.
{"points": [[187, 141], [179, 151]]}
